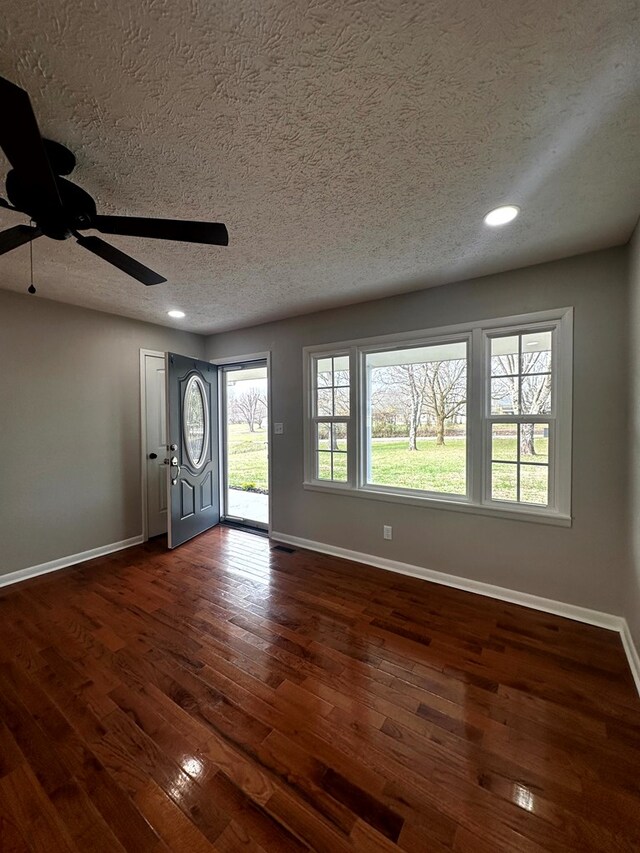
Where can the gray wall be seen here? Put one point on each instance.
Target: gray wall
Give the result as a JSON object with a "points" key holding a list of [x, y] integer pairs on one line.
{"points": [[70, 427], [70, 430], [632, 597], [582, 565]]}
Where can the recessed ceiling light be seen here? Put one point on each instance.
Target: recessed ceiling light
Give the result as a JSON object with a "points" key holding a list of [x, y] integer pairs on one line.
{"points": [[532, 343], [177, 314], [501, 215]]}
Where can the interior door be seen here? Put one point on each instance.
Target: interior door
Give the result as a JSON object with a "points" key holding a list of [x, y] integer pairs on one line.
{"points": [[192, 410], [156, 443]]}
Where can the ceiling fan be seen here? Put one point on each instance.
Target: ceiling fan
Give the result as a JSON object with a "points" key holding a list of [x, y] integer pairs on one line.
{"points": [[60, 209]]}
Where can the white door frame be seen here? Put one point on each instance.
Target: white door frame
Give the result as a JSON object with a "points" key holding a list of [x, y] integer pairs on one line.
{"points": [[221, 361], [143, 437]]}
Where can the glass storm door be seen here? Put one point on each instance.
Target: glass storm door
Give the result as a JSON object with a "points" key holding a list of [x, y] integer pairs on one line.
{"points": [[192, 408], [245, 443]]}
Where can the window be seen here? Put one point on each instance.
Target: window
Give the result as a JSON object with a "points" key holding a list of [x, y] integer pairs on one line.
{"points": [[520, 415], [415, 397], [195, 421], [331, 416], [473, 418]]}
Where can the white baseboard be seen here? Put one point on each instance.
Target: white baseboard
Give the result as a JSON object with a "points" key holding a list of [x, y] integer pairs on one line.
{"points": [[535, 602], [632, 652], [64, 562]]}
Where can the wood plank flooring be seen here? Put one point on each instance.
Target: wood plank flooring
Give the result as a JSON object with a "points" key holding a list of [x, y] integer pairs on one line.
{"points": [[228, 696]]}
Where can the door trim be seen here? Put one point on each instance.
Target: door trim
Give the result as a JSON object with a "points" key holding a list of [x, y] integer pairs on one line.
{"points": [[222, 361], [143, 436]]}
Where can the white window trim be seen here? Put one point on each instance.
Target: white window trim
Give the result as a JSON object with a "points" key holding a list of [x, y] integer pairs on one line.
{"points": [[478, 457]]}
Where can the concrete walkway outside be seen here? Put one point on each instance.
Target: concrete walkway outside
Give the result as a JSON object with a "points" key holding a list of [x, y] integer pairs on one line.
{"points": [[248, 505]]}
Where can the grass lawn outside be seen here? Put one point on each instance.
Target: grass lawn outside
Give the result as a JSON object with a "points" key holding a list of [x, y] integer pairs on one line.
{"points": [[442, 468], [247, 459], [431, 468]]}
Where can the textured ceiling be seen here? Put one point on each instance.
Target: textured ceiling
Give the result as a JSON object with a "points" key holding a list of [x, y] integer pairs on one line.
{"points": [[351, 146]]}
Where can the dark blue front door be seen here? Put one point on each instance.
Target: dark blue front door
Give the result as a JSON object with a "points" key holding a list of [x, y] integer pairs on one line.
{"points": [[194, 493]]}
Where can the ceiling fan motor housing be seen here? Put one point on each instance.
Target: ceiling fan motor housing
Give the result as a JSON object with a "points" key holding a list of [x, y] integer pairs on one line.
{"points": [[79, 207]]}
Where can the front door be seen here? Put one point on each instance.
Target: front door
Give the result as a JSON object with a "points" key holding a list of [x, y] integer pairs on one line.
{"points": [[192, 407]]}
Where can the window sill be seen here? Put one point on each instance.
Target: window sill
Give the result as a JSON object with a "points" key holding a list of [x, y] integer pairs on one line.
{"points": [[555, 519]]}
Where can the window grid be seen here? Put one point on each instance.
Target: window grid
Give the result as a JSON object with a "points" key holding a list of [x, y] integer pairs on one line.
{"points": [[331, 451], [519, 464], [520, 417], [329, 454]]}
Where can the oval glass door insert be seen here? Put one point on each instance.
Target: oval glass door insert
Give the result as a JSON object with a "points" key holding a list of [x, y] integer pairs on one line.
{"points": [[196, 421]]}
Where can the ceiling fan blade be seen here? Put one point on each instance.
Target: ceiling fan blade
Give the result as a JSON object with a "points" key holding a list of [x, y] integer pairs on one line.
{"points": [[124, 262], [213, 233], [22, 143], [17, 236]]}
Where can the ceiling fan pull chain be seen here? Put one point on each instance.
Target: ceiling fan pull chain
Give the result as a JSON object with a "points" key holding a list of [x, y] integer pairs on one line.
{"points": [[32, 288]]}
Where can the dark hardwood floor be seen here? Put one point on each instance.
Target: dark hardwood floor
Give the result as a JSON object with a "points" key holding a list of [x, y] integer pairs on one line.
{"points": [[228, 696]]}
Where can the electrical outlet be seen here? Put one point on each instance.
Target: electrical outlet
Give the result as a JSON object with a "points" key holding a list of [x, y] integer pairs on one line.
{"points": [[387, 531], [278, 429]]}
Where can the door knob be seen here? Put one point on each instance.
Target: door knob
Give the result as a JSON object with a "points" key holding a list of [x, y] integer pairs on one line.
{"points": [[153, 456]]}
